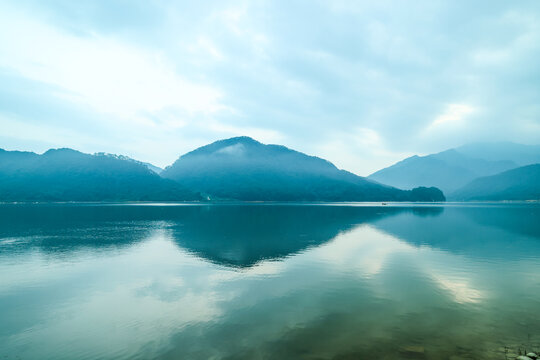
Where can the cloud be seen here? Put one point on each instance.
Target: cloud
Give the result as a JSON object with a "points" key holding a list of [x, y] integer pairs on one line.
{"points": [[360, 150], [261, 134], [362, 84], [207, 47], [104, 73], [461, 290], [233, 150], [453, 117]]}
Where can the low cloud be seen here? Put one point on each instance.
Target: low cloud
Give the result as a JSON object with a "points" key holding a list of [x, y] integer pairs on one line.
{"points": [[361, 84], [452, 118], [104, 73]]}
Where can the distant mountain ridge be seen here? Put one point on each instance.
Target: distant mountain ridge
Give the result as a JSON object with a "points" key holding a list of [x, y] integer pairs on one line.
{"points": [[452, 169], [503, 151], [522, 183], [69, 175], [242, 168], [152, 167]]}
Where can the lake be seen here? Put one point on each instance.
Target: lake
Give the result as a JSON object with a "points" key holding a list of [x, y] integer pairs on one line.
{"points": [[269, 281]]}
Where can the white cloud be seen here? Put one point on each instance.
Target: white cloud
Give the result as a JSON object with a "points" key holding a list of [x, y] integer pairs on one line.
{"points": [[462, 291], [261, 134], [233, 150], [101, 72], [361, 150], [206, 46], [47, 134], [348, 81], [453, 117], [366, 255], [523, 42]]}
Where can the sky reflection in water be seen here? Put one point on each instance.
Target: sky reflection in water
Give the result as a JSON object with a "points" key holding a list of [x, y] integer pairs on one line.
{"points": [[268, 281]]}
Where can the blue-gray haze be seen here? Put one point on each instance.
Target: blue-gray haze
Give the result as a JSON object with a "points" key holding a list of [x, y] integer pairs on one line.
{"points": [[362, 84]]}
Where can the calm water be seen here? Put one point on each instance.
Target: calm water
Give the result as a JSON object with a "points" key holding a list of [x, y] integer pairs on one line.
{"points": [[268, 281]]}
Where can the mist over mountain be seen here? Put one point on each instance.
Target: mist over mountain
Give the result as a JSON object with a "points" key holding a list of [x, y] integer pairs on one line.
{"points": [[522, 183], [244, 169], [69, 175], [451, 169], [152, 167], [503, 151]]}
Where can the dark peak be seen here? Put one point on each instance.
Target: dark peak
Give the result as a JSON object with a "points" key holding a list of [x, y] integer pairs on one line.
{"points": [[17, 152], [235, 140], [249, 151], [61, 151], [115, 156], [240, 139], [220, 145], [244, 140], [64, 153], [242, 144]]}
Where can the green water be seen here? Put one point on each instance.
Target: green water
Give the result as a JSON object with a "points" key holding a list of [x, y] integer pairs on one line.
{"points": [[269, 281]]}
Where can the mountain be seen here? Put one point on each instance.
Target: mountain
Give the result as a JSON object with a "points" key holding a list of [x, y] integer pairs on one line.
{"points": [[69, 175], [503, 151], [522, 183], [450, 169], [244, 169], [221, 234], [152, 167]]}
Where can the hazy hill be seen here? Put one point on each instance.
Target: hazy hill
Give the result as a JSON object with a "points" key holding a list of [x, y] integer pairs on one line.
{"points": [[503, 151], [152, 167], [522, 183], [69, 175], [452, 169], [244, 169]]}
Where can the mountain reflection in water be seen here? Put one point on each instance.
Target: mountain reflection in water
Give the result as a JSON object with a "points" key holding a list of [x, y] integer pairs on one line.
{"points": [[268, 281]]}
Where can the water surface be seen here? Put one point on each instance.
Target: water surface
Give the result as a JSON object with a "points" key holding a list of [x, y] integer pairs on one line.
{"points": [[268, 281]]}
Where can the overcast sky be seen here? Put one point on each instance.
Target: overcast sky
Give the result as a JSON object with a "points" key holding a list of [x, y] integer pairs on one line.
{"points": [[361, 83]]}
